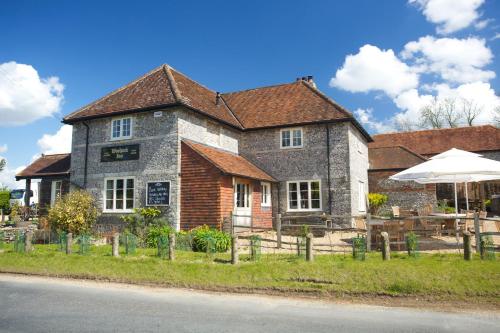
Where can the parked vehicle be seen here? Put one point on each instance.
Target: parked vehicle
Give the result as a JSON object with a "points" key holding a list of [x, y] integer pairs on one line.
{"points": [[18, 197]]}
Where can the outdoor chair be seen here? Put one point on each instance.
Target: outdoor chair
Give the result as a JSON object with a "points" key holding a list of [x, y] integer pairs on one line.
{"points": [[360, 223], [394, 231], [429, 228], [395, 211]]}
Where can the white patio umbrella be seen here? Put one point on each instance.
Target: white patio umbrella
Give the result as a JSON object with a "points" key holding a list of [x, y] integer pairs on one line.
{"points": [[453, 166]]}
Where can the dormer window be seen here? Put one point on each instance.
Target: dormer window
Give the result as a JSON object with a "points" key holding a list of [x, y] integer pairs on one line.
{"points": [[291, 138], [121, 128]]}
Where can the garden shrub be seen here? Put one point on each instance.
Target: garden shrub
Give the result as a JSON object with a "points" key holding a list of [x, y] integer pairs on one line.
{"points": [[5, 201], [154, 233], [141, 219], [376, 200], [444, 208], [412, 244], [75, 212], [204, 235]]}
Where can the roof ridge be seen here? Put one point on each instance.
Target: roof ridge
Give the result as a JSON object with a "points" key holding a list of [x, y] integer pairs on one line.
{"points": [[437, 129], [231, 111], [257, 88], [114, 91], [175, 90], [327, 98]]}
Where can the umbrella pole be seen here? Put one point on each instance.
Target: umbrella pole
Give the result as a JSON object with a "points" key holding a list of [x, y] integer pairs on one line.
{"points": [[466, 197], [456, 217]]}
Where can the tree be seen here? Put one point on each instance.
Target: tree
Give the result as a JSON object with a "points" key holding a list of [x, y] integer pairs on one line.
{"points": [[2, 164], [496, 117], [432, 115], [470, 110], [450, 114]]}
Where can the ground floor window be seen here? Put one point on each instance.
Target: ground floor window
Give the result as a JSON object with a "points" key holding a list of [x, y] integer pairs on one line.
{"points": [[119, 194], [304, 195], [56, 191], [242, 193], [266, 194], [362, 196]]}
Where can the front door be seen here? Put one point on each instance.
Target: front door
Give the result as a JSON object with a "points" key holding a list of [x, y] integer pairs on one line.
{"points": [[242, 204]]}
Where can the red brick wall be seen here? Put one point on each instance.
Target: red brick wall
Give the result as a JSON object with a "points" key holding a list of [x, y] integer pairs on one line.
{"points": [[262, 216], [200, 194], [226, 196]]}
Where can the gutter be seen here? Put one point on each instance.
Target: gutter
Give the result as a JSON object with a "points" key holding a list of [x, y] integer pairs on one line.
{"points": [[86, 154], [327, 127]]}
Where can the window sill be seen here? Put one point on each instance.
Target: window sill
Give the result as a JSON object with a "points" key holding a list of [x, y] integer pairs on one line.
{"points": [[295, 147], [304, 210], [118, 211], [121, 138]]}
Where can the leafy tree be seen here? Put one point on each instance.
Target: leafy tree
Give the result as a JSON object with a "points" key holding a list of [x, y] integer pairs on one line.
{"points": [[75, 212]]}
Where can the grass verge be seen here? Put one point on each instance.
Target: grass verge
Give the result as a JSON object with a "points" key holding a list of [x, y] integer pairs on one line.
{"points": [[432, 277]]}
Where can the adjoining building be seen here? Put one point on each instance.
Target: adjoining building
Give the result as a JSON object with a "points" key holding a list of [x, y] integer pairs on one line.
{"points": [[164, 140], [405, 149]]}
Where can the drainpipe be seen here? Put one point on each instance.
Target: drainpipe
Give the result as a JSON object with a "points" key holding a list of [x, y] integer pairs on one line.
{"points": [[327, 128], [86, 155]]}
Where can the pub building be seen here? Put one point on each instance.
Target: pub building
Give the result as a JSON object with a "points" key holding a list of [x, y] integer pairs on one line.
{"points": [[203, 157]]}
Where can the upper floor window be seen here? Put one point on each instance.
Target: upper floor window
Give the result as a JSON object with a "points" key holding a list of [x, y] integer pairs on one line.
{"points": [[121, 128], [291, 138]]}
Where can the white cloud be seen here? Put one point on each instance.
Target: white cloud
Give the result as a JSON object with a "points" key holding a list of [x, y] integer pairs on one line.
{"points": [[365, 117], [3, 148], [57, 143], [25, 97], [455, 60], [497, 36], [482, 24], [450, 15], [373, 69]]}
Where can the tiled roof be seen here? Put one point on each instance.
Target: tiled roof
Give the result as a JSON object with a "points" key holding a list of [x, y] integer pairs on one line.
{"points": [[162, 87], [294, 103], [397, 157], [281, 105], [46, 166], [435, 141], [229, 163]]}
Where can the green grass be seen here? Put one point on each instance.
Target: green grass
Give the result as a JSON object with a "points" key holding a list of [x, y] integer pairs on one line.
{"points": [[434, 276]]}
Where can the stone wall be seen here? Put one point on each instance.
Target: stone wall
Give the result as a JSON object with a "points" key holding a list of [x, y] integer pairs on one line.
{"points": [[407, 195], [158, 141], [310, 162]]}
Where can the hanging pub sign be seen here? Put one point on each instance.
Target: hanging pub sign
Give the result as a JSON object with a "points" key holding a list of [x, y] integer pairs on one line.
{"points": [[120, 153], [158, 193]]}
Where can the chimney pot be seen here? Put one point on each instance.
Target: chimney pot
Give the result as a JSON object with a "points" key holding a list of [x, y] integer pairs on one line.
{"points": [[217, 98]]}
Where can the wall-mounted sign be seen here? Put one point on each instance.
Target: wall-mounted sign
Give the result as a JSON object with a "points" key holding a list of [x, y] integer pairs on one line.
{"points": [[157, 114], [120, 153], [158, 193]]}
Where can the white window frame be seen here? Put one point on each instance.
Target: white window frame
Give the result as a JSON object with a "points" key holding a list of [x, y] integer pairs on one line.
{"points": [[298, 196], [53, 188], [248, 194], [158, 181], [291, 129], [104, 193], [361, 197], [121, 136], [265, 200]]}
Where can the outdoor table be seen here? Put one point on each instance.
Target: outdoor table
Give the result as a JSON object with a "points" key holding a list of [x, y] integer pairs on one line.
{"points": [[451, 220]]}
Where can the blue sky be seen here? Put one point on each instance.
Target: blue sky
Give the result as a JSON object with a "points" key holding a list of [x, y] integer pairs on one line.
{"points": [[92, 47]]}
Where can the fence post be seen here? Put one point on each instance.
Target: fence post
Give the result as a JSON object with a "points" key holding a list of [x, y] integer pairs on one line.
{"points": [[278, 230], [116, 244], [386, 246], [69, 241], [368, 232], [28, 236], [467, 246], [477, 231], [234, 250], [309, 247], [298, 247], [171, 246]]}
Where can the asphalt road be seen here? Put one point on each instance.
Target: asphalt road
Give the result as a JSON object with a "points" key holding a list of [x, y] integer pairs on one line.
{"points": [[30, 304]]}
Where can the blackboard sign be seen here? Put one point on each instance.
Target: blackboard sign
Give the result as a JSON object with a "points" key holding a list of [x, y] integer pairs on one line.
{"points": [[158, 193], [120, 153]]}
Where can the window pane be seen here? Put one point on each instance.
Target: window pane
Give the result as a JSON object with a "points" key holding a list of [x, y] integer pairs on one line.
{"points": [[109, 204], [315, 195], [116, 128], [129, 194], [239, 195], [285, 139], [292, 195], [304, 195], [247, 195], [130, 204], [126, 127], [109, 194], [297, 138]]}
